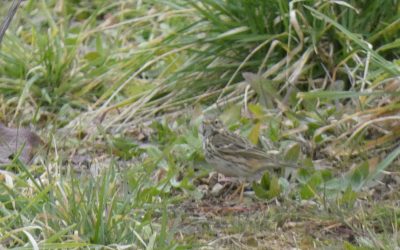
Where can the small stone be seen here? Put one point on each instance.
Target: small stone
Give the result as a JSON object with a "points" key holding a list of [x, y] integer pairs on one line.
{"points": [[217, 189]]}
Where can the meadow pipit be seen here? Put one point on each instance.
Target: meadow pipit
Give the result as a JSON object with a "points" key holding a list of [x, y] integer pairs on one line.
{"points": [[233, 155]]}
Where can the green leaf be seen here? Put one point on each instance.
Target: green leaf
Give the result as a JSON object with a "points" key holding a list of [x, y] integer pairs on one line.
{"points": [[338, 184], [309, 189], [124, 147], [274, 189], [293, 152], [306, 192], [256, 110], [255, 133], [273, 131], [304, 174], [315, 180], [265, 180], [359, 175], [268, 187], [349, 198], [326, 175], [259, 191], [91, 56], [308, 163]]}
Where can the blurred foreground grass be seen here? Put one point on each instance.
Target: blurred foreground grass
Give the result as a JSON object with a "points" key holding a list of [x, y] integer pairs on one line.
{"points": [[117, 90]]}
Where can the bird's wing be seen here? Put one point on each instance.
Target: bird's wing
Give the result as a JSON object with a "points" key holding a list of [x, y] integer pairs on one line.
{"points": [[230, 144], [230, 141]]}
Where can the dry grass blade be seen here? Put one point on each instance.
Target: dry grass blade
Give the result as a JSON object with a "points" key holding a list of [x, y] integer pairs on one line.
{"points": [[7, 20]]}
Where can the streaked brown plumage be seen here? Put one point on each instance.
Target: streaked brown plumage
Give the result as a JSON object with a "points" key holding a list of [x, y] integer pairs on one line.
{"points": [[233, 155]]}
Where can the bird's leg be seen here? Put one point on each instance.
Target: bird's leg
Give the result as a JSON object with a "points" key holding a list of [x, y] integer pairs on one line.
{"points": [[232, 181], [239, 190]]}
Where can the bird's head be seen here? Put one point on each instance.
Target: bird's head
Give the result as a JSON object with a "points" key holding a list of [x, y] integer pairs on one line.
{"points": [[210, 126]]}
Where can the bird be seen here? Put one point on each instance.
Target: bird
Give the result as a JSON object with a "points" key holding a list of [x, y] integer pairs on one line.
{"points": [[20, 141], [235, 156]]}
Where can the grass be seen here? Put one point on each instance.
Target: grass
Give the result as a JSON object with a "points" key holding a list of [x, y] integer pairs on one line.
{"points": [[118, 89]]}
